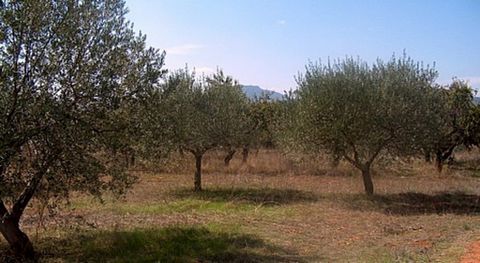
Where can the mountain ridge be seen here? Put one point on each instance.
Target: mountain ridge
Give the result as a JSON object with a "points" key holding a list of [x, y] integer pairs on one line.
{"points": [[255, 91]]}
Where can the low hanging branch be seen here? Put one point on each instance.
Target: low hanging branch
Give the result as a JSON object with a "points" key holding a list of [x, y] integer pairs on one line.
{"points": [[27, 194], [63, 79]]}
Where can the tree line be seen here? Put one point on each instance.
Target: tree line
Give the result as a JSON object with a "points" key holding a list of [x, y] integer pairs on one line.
{"points": [[81, 95]]}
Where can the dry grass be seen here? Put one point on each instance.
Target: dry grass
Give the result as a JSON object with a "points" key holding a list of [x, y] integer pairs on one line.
{"points": [[274, 209]]}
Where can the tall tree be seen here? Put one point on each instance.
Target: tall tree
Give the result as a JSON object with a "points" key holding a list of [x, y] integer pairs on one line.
{"points": [[459, 122], [259, 127], [205, 114], [357, 111], [70, 73]]}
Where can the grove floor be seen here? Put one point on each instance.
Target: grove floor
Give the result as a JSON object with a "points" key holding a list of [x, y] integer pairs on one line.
{"points": [[271, 216]]}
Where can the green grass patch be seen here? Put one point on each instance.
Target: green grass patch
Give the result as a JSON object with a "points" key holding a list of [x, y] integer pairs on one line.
{"points": [[180, 206], [218, 200], [255, 196], [173, 244], [187, 205]]}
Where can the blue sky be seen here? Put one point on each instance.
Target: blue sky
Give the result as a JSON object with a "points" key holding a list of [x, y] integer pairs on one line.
{"points": [[267, 42]]}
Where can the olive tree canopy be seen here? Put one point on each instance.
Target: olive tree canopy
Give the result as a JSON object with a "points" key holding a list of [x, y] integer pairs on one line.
{"points": [[70, 71], [459, 122], [359, 111], [204, 114]]}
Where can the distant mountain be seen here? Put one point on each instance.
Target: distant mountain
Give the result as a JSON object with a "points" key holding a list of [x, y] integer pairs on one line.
{"points": [[256, 92], [476, 100]]}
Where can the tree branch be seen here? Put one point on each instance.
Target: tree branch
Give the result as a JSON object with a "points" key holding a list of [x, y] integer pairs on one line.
{"points": [[355, 160], [352, 161], [378, 150], [3, 210], [27, 194]]}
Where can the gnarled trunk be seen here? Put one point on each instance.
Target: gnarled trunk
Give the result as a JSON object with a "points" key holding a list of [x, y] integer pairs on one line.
{"points": [[439, 160], [245, 152], [442, 155], [19, 242], [336, 161], [129, 158], [198, 172], [365, 169], [367, 180], [229, 157], [9, 220], [427, 156]]}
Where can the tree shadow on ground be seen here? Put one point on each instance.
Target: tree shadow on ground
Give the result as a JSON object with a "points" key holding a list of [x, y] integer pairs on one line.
{"points": [[442, 203], [257, 196], [412, 203], [174, 244], [6, 256]]}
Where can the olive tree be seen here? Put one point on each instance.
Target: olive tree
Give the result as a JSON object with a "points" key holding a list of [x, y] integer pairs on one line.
{"points": [[71, 72], [358, 111], [458, 119], [258, 127], [204, 114]]}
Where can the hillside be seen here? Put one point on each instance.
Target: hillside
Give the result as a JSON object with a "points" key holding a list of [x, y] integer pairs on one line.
{"points": [[255, 92]]}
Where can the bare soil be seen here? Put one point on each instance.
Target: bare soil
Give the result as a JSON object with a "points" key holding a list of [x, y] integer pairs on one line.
{"points": [[287, 211]]}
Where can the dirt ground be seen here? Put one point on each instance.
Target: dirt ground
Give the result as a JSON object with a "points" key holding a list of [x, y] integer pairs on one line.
{"points": [[473, 253], [273, 209]]}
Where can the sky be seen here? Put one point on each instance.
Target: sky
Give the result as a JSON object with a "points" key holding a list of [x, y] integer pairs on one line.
{"points": [[269, 42]]}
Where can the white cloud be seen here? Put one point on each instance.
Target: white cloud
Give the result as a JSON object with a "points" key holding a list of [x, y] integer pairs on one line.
{"points": [[474, 81], [281, 22], [204, 70], [183, 49]]}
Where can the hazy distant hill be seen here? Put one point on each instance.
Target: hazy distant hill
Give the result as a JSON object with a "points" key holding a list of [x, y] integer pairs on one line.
{"points": [[255, 91]]}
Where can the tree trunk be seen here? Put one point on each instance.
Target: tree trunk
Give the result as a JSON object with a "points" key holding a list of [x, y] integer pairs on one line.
{"points": [[132, 159], [439, 163], [427, 156], [439, 160], [198, 172], [245, 152], [367, 181], [442, 155], [229, 157], [19, 242], [180, 150], [336, 161], [127, 160]]}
